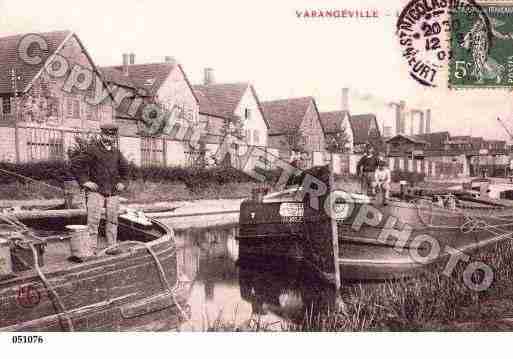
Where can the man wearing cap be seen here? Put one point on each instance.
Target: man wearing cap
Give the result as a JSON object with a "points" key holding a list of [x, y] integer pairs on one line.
{"points": [[101, 170], [365, 169]]}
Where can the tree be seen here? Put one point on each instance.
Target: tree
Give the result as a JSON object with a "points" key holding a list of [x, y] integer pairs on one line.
{"points": [[337, 142]]}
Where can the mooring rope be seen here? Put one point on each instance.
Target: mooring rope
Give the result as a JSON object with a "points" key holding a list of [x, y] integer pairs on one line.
{"points": [[160, 269], [51, 289], [32, 179]]}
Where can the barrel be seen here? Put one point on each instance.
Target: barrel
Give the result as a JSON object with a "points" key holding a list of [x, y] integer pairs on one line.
{"points": [[5, 258], [80, 244]]}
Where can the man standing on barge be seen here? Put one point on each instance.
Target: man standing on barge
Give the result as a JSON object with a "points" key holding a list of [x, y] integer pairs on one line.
{"points": [[366, 168], [101, 170]]}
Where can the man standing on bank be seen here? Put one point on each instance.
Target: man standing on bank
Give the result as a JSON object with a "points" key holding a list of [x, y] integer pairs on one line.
{"points": [[366, 168], [101, 170]]}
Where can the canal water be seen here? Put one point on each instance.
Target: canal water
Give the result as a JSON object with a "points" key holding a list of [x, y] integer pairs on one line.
{"points": [[236, 292]]}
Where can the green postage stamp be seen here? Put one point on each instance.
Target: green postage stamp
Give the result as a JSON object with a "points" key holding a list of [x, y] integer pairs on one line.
{"points": [[482, 46]]}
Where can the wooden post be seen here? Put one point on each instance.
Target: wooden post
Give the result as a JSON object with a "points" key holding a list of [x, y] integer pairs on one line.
{"points": [[334, 228]]}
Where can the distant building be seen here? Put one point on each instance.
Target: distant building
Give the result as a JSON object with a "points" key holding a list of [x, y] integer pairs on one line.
{"points": [[165, 84], [294, 116], [40, 116], [366, 132], [222, 102], [404, 145], [335, 123]]}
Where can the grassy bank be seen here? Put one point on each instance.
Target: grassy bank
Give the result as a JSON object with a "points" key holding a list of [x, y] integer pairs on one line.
{"points": [[432, 302]]}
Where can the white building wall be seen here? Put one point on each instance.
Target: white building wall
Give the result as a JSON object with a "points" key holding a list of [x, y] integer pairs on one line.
{"points": [[256, 121], [130, 147], [7, 145]]}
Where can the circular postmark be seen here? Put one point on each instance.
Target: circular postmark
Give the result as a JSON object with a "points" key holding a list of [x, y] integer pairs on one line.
{"points": [[427, 30], [28, 296]]}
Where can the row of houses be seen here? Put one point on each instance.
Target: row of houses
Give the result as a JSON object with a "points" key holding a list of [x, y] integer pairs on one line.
{"points": [[41, 114], [45, 104]]}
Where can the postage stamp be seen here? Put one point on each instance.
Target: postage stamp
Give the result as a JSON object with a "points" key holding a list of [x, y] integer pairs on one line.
{"points": [[482, 46]]}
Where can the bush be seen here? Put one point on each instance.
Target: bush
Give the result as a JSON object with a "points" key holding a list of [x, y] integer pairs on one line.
{"points": [[53, 172]]}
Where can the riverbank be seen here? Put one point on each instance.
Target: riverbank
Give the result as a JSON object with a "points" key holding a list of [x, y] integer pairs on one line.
{"points": [[431, 302]]}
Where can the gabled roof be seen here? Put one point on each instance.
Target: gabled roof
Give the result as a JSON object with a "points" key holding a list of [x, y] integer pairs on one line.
{"points": [[286, 115], [412, 139], [148, 77], [221, 99], [435, 139], [332, 121], [28, 73], [361, 125]]}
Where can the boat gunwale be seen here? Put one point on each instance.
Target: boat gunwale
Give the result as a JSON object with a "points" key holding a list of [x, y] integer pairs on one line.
{"points": [[56, 270]]}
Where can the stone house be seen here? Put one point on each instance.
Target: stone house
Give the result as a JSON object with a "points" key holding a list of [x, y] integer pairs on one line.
{"points": [[222, 104], [337, 123], [48, 95], [366, 132], [294, 121], [166, 85]]}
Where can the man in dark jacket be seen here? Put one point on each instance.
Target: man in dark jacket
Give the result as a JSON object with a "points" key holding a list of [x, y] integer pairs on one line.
{"points": [[101, 170], [366, 168]]}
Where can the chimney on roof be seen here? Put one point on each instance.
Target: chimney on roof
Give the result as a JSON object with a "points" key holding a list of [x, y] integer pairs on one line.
{"points": [[345, 99], [428, 120], [125, 64], [170, 60], [208, 76], [132, 58]]}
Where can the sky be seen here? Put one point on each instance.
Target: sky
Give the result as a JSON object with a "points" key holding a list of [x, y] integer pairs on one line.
{"points": [[265, 43]]}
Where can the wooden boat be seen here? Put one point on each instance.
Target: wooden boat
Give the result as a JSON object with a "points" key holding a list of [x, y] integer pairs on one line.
{"points": [[136, 289], [366, 239]]}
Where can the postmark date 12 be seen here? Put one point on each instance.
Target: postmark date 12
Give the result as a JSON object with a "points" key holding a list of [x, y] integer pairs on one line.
{"points": [[27, 339]]}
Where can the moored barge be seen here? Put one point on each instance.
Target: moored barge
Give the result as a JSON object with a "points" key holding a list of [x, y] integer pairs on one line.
{"points": [[361, 238], [136, 287]]}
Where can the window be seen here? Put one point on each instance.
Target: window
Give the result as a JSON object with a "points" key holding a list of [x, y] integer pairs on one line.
{"points": [[6, 105], [53, 107], [92, 113], [152, 151], [44, 144], [73, 108], [76, 109], [247, 114], [248, 136], [256, 137]]}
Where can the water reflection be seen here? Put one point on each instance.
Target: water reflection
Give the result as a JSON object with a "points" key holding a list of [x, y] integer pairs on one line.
{"points": [[228, 289]]}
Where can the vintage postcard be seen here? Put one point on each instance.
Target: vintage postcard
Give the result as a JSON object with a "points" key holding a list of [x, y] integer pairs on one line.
{"points": [[228, 166]]}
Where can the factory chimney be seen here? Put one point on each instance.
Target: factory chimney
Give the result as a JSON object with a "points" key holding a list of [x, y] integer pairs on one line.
{"points": [[428, 120]]}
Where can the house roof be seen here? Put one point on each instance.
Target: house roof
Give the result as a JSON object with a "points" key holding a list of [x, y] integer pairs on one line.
{"points": [[287, 114], [27, 73], [221, 99], [435, 139], [112, 75], [361, 125], [146, 77], [332, 121], [149, 77], [413, 139]]}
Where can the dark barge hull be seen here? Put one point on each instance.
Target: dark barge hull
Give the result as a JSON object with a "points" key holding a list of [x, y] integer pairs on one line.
{"points": [[364, 255], [109, 293]]}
